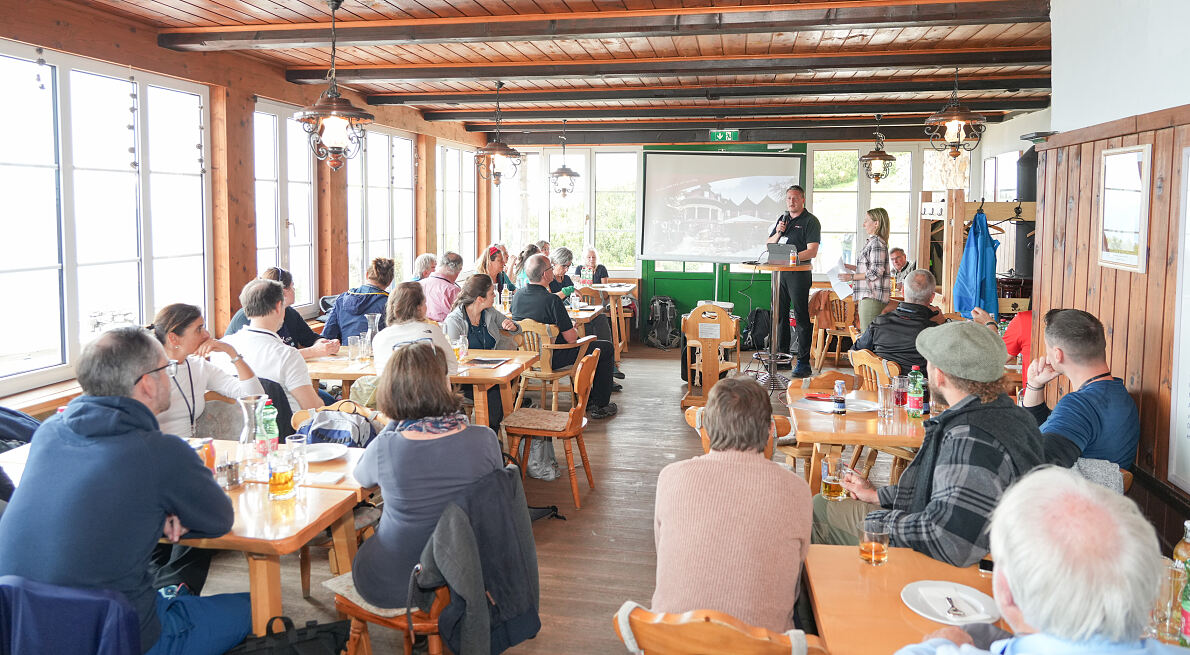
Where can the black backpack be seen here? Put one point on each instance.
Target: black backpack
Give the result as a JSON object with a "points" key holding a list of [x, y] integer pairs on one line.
{"points": [[755, 335], [663, 314]]}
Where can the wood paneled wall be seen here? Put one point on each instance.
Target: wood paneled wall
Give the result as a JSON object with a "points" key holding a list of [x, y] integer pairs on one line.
{"points": [[1137, 311]]}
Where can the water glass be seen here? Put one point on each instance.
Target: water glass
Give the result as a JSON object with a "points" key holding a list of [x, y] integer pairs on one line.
{"points": [[900, 385], [353, 348], [1165, 623], [873, 543], [365, 347], [297, 445], [887, 406], [281, 474]]}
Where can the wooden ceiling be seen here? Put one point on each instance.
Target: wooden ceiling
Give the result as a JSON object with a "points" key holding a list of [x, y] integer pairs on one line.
{"points": [[662, 69]]}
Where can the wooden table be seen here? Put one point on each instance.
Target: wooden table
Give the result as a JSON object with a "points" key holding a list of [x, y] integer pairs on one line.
{"points": [[858, 606], [345, 465], [616, 292], [482, 379], [264, 529], [830, 432], [581, 317]]}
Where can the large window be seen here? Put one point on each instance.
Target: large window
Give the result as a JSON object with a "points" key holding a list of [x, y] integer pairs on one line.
{"points": [[835, 201], [105, 203], [999, 177], [285, 216], [456, 201], [600, 211], [380, 204]]}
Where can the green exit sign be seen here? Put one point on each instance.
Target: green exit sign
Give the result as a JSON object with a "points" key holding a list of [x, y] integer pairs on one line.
{"points": [[725, 135]]}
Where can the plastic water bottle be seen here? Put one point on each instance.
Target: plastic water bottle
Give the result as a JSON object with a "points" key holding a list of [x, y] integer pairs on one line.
{"points": [[917, 392], [267, 434]]}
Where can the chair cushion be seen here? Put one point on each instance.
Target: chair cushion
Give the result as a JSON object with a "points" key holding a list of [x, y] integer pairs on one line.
{"points": [[538, 419], [345, 587]]}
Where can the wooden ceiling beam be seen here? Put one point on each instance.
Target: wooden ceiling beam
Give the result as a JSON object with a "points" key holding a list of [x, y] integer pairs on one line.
{"points": [[983, 83], [764, 135], [910, 120], [976, 104], [813, 16], [671, 66]]}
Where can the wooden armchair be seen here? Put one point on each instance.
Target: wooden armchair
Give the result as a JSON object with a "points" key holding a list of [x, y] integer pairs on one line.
{"points": [[703, 631], [875, 373], [348, 602], [527, 422], [842, 317], [710, 336], [540, 338]]}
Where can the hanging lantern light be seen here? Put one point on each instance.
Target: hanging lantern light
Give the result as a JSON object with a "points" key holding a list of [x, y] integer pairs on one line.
{"points": [[878, 163], [564, 176], [335, 126], [497, 159], [955, 127]]}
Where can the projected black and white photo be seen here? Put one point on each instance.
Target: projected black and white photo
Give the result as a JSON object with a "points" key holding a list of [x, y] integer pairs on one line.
{"points": [[715, 207]]}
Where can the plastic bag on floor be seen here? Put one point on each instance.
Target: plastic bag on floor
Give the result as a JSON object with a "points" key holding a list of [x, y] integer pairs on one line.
{"points": [[541, 462]]}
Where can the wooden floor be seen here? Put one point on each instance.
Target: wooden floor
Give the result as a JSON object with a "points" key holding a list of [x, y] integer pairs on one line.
{"points": [[600, 555]]}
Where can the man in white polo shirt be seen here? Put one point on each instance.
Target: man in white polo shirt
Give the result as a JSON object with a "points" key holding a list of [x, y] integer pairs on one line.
{"points": [[265, 352]]}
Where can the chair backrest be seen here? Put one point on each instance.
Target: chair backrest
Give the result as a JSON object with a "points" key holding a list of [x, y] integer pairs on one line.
{"points": [[590, 296], [842, 311], [702, 631], [827, 380], [708, 323], [780, 428], [535, 336], [33, 616], [954, 316], [873, 371], [345, 406], [584, 377]]}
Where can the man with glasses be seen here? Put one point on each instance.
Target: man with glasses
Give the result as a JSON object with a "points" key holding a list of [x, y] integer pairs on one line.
{"points": [[103, 484]]}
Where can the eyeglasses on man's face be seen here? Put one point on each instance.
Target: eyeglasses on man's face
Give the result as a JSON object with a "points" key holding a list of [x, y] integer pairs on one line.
{"points": [[170, 367]]}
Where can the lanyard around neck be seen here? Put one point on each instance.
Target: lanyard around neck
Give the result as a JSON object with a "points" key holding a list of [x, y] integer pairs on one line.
{"points": [[193, 402], [1097, 377]]}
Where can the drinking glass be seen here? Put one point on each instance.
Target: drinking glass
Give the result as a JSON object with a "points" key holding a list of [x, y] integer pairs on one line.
{"points": [[900, 385], [1166, 620], [873, 543], [832, 478], [281, 472], [365, 348], [297, 445], [353, 348], [887, 405]]}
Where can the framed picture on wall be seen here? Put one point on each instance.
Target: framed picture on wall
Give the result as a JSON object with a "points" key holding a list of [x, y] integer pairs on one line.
{"points": [[1124, 207]]}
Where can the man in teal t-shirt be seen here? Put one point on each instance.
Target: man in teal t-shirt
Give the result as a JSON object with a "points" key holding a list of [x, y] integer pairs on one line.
{"points": [[1098, 418]]}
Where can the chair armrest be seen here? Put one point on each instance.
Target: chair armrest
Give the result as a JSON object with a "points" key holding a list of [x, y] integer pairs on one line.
{"points": [[585, 341]]}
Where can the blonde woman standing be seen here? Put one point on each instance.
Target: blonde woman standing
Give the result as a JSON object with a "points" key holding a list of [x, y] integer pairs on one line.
{"points": [[871, 271]]}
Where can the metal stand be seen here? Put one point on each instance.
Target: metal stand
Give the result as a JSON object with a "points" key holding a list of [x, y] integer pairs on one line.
{"points": [[770, 378]]}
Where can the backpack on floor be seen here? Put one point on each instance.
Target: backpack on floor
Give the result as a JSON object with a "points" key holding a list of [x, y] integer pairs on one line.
{"points": [[663, 314], [755, 334]]}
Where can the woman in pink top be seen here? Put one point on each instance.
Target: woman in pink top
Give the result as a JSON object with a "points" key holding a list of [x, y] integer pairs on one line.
{"points": [[717, 547]]}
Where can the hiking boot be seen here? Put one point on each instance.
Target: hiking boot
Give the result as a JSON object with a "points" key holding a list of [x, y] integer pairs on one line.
{"points": [[606, 411], [802, 370], [617, 374], [616, 386]]}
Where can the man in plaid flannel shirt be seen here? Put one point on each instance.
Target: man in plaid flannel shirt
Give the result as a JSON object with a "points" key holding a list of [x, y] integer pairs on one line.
{"points": [[972, 452]]}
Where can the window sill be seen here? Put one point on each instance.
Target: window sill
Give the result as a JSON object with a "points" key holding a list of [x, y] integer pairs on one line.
{"points": [[42, 401]]}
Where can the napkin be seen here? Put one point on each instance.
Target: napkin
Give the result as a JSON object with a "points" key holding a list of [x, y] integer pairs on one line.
{"points": [[330, 477]]}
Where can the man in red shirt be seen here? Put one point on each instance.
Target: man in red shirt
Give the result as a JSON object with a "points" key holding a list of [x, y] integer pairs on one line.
{"points": [[1017, 337]]}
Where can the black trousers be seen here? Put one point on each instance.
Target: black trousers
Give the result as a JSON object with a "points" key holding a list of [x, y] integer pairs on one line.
{"points": [[172, 564], [495, 406], [601, 386], [795, 290]]}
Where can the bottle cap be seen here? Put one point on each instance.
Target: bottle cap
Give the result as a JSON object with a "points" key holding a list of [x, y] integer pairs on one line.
{"points": [[270, 400], [916, 367]]}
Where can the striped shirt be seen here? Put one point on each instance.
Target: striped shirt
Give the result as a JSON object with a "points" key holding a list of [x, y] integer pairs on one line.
{"points": [[872, 278]]}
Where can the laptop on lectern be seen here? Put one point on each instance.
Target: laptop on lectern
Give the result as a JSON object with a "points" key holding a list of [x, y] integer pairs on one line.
{"points": [[779, 253]]}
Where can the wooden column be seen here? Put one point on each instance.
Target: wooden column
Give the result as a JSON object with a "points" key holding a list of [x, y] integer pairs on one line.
{"points": [[483, 215], [233, 201], [333, 276], [952, 244], [425, 193]]}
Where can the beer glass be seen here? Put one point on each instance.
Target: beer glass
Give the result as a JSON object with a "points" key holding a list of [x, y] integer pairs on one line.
{"points": [[832, 478], [281, 470], [297, 445], [873, 543]]}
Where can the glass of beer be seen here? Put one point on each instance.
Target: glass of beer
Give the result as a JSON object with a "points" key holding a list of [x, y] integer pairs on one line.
{"points": [[281, 473], [873, 543], [832, 478]]}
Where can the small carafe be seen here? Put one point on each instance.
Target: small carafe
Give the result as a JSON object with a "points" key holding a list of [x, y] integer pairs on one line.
{"points": [[373, 330], [250, 461]]}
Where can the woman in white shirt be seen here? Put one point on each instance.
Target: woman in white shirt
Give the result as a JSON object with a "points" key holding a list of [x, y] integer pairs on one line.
{"points": [[406, 321], [181, 330]]}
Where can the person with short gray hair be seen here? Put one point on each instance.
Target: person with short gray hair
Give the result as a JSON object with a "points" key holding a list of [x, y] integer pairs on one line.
{"points": [[535, 267], [1077, 569], [422, 267], [900, 266], [441, 288], [893, 334], [715, 549], [103, 484]]}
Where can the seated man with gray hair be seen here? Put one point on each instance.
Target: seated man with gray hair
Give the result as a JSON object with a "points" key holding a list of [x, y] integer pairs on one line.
{"points": [[103, 484], [1077, 570], [716, 550], [441, 287], [892, 335], [422, 267]]}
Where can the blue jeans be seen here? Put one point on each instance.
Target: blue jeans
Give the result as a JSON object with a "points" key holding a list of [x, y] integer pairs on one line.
{"points": [[202, 625]]}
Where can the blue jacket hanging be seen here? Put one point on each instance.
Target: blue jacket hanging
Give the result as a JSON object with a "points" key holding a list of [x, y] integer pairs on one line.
{"points": [[975, 283]]}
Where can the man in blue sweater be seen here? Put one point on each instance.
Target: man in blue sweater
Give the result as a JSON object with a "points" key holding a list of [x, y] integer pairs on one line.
{"points": [[101, 486]]}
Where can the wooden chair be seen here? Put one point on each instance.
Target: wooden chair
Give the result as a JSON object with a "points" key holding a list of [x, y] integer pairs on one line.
{"points": [[694, 420], [348, 602], [710, 336], [826, 381], [954, 316], [540, 337], [527, 422], [345, 406], [703, 631], [872, 371], [842, 316]]}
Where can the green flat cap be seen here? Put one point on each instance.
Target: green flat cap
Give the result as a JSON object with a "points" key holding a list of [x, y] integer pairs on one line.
{"points": [[964, 349]]}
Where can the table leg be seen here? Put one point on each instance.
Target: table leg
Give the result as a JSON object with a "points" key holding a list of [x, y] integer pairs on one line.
{"points": [[480, 393], [506, 398], [264, 585], [347, 388], [815, 477], [343, 536], [615, 316]]}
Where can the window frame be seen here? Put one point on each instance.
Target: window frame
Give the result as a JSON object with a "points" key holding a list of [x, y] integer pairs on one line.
{"points": [[392, 187], [68, 266], [467, 171]]}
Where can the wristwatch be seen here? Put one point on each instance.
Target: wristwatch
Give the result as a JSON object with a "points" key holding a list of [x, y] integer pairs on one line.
{"points": [[237, 358], [991, 323]]}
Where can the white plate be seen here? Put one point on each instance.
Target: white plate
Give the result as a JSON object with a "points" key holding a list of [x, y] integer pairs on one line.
{"points": [[928, 598], [853, 405], [325, 452]]}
